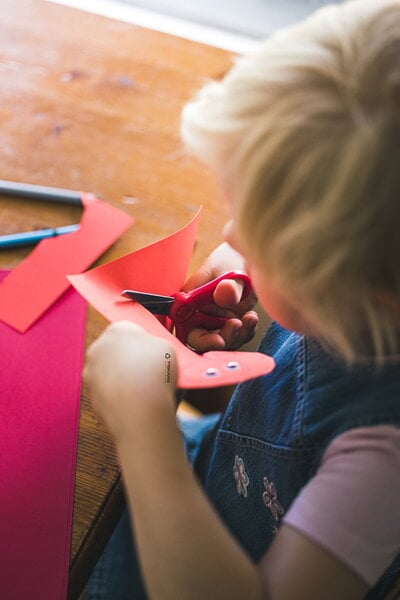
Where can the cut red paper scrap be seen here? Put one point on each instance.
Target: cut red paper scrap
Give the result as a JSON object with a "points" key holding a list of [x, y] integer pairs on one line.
{"points": [[40, 381], [40, 279], [161, 268]]}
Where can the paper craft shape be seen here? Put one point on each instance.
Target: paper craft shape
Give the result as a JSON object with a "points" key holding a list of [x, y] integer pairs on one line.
{"points": [[161, 268], [40, 381], [40, 279]]}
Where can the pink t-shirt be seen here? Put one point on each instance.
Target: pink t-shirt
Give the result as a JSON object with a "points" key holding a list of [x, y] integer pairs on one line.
{"points": [[351, 507]]}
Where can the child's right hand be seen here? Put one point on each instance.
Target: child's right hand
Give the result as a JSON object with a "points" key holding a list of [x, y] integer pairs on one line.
{"points": [[242, 321]]}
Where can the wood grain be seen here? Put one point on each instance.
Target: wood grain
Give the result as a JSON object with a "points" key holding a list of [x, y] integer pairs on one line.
{"points": [[93, 104]]}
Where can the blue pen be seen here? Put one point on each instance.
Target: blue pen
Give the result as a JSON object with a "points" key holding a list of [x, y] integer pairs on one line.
{"points": [[32, 237]]}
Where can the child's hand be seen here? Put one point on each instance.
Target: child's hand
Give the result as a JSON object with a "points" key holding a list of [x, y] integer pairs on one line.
{"points": [[129, 373], [242, 321]]}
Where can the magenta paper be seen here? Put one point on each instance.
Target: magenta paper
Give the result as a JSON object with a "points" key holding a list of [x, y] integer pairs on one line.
{"points": [[40, 382]]}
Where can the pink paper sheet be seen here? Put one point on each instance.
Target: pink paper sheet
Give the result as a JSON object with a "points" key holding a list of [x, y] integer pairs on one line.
{"points": [[40, 380], [161, 269], [40, 279]]}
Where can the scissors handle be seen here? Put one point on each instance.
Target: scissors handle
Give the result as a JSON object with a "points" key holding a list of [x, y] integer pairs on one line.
{"points": [[187, 313]]}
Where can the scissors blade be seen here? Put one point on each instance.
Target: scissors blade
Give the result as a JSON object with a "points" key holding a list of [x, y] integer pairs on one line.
{"points": [[156, 304]]}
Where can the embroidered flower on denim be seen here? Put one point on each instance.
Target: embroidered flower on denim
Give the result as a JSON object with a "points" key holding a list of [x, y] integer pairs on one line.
{"points": [[241, 477], [271, 500]]}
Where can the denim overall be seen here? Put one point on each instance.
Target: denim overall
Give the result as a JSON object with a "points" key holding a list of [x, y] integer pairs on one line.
{"points": [[269, 442], [276, 428]]}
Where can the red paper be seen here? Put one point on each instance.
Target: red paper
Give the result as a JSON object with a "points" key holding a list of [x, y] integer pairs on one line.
{"points": [[40, 279], [161, 269], [40, 380]]}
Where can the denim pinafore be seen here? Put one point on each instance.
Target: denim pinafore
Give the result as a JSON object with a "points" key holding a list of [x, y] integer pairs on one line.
{"points": [[271, 438]]}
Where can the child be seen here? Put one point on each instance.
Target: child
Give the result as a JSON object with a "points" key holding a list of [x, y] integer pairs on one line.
{"points": [[300, 480]]}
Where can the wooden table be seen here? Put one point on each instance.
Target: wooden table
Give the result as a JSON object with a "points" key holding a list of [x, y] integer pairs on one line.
{"points": [[93, 104]]}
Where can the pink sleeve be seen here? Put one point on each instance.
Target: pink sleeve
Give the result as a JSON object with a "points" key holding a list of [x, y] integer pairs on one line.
{"points": [[351, 507]]}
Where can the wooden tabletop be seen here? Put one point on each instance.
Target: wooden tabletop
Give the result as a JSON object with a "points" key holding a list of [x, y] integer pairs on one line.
{"points": [[89, 103]]}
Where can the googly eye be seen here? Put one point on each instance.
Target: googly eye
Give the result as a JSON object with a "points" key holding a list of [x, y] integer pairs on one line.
{"points": [[211, 372], [232, 365]]}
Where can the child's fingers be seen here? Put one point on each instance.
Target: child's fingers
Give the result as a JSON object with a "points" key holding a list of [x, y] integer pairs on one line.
{"points": [[238, 332], [202, 340], [228, 293], [233, 335]]}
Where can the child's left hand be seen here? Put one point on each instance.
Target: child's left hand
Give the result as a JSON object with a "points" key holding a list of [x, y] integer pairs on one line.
{"points": [[129, 373]]}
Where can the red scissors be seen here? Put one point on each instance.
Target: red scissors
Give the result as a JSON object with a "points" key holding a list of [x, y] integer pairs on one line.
{"points": [[185, 309]]}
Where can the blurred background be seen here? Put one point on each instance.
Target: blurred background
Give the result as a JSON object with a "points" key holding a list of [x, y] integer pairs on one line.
{"points": [[233, 24], [253, 18]]}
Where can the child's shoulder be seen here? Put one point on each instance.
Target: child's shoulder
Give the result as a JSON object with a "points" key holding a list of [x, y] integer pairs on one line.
{"points": [[331, 397], [339, 397]]}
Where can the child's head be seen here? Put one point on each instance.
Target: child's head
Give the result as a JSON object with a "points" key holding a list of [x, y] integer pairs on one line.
{"points": [[304, 135]]}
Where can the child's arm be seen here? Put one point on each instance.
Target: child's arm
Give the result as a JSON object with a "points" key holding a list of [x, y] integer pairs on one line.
{"points": [[241, 327], [184, 549]]}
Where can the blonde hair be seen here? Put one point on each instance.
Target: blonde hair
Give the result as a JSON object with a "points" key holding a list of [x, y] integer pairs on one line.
{"points": [[305, 135]]}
